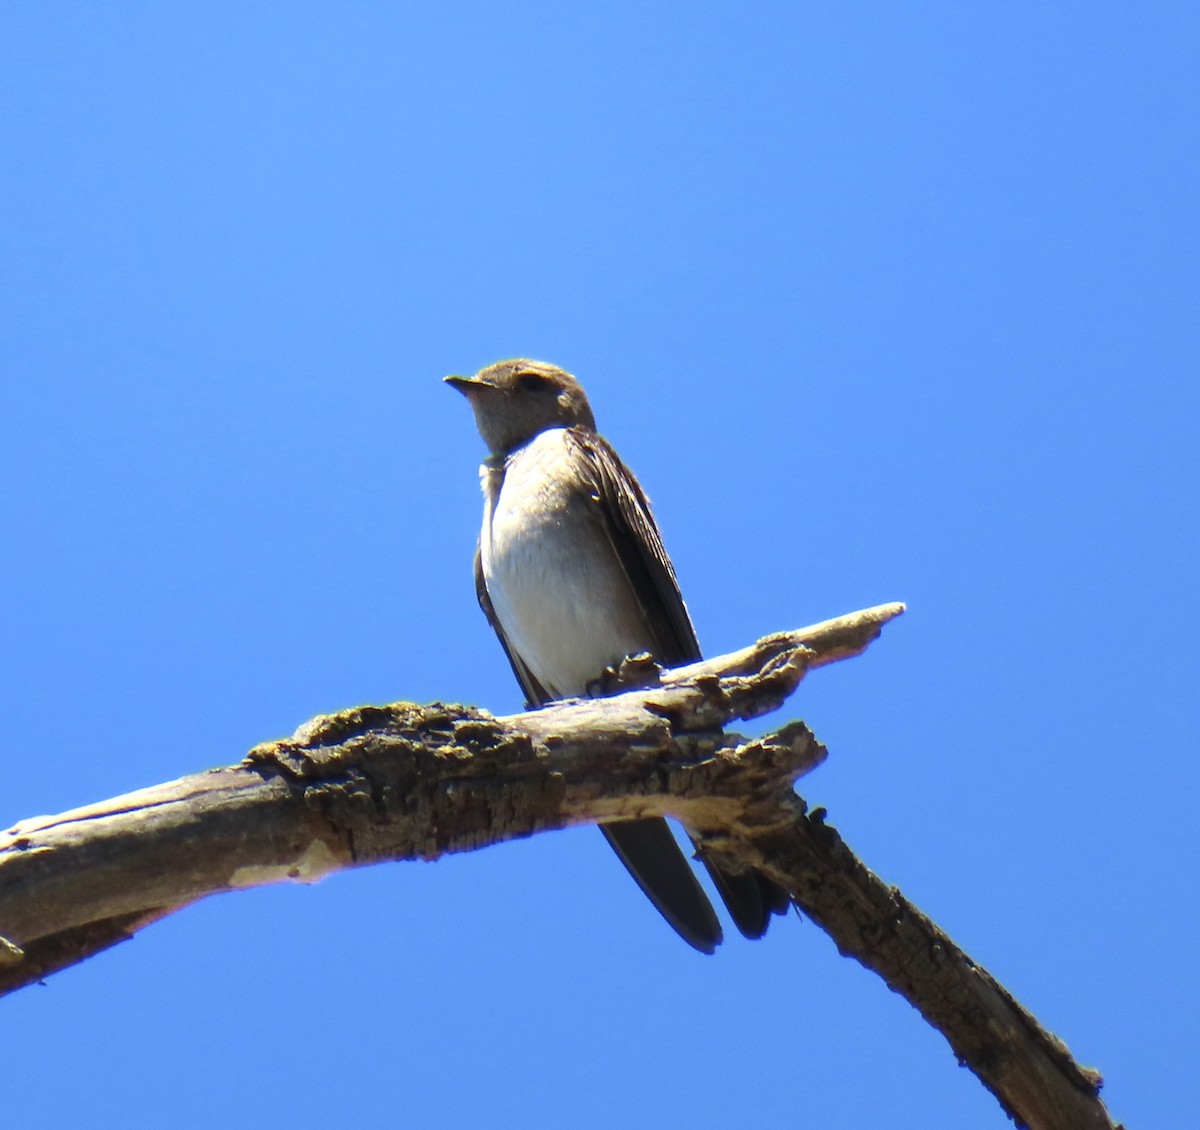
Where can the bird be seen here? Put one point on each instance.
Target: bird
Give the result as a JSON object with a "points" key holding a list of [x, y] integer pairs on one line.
{"points": [[573, 577]]}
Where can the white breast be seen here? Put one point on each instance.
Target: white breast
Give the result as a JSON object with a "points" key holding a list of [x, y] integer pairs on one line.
{"points": [[558, 591]]}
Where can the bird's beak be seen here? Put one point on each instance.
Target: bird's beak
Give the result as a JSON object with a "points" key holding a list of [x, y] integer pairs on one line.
{"points": [[465, 385]]}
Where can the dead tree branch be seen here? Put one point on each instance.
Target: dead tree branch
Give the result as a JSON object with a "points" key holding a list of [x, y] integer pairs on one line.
{"points": [[403, 781]]}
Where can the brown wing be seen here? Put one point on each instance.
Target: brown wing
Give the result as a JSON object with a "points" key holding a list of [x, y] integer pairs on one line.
{"points": [[638, 545]]}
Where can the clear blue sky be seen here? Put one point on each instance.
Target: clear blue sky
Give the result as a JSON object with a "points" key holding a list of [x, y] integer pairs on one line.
{"points": [[881, 302]]}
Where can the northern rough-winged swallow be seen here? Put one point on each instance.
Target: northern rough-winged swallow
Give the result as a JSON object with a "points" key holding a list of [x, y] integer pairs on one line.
{"points": [[572, 575]]}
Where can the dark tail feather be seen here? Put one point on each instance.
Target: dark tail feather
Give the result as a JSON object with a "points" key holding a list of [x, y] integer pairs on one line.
{"points": [[652, 857], [750, 897]]}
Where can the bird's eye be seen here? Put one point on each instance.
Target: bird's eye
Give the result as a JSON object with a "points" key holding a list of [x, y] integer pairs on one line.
{"points": [[532, 382]]}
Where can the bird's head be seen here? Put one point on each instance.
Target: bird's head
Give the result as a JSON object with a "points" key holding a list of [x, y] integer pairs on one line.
{"points": [[515, 400]]}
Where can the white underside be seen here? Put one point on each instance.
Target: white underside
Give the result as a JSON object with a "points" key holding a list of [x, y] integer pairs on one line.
{"points": [[558, 591]]}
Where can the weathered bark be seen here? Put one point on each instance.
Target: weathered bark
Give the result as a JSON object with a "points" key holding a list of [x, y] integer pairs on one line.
{"points": [[412, 782]]}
